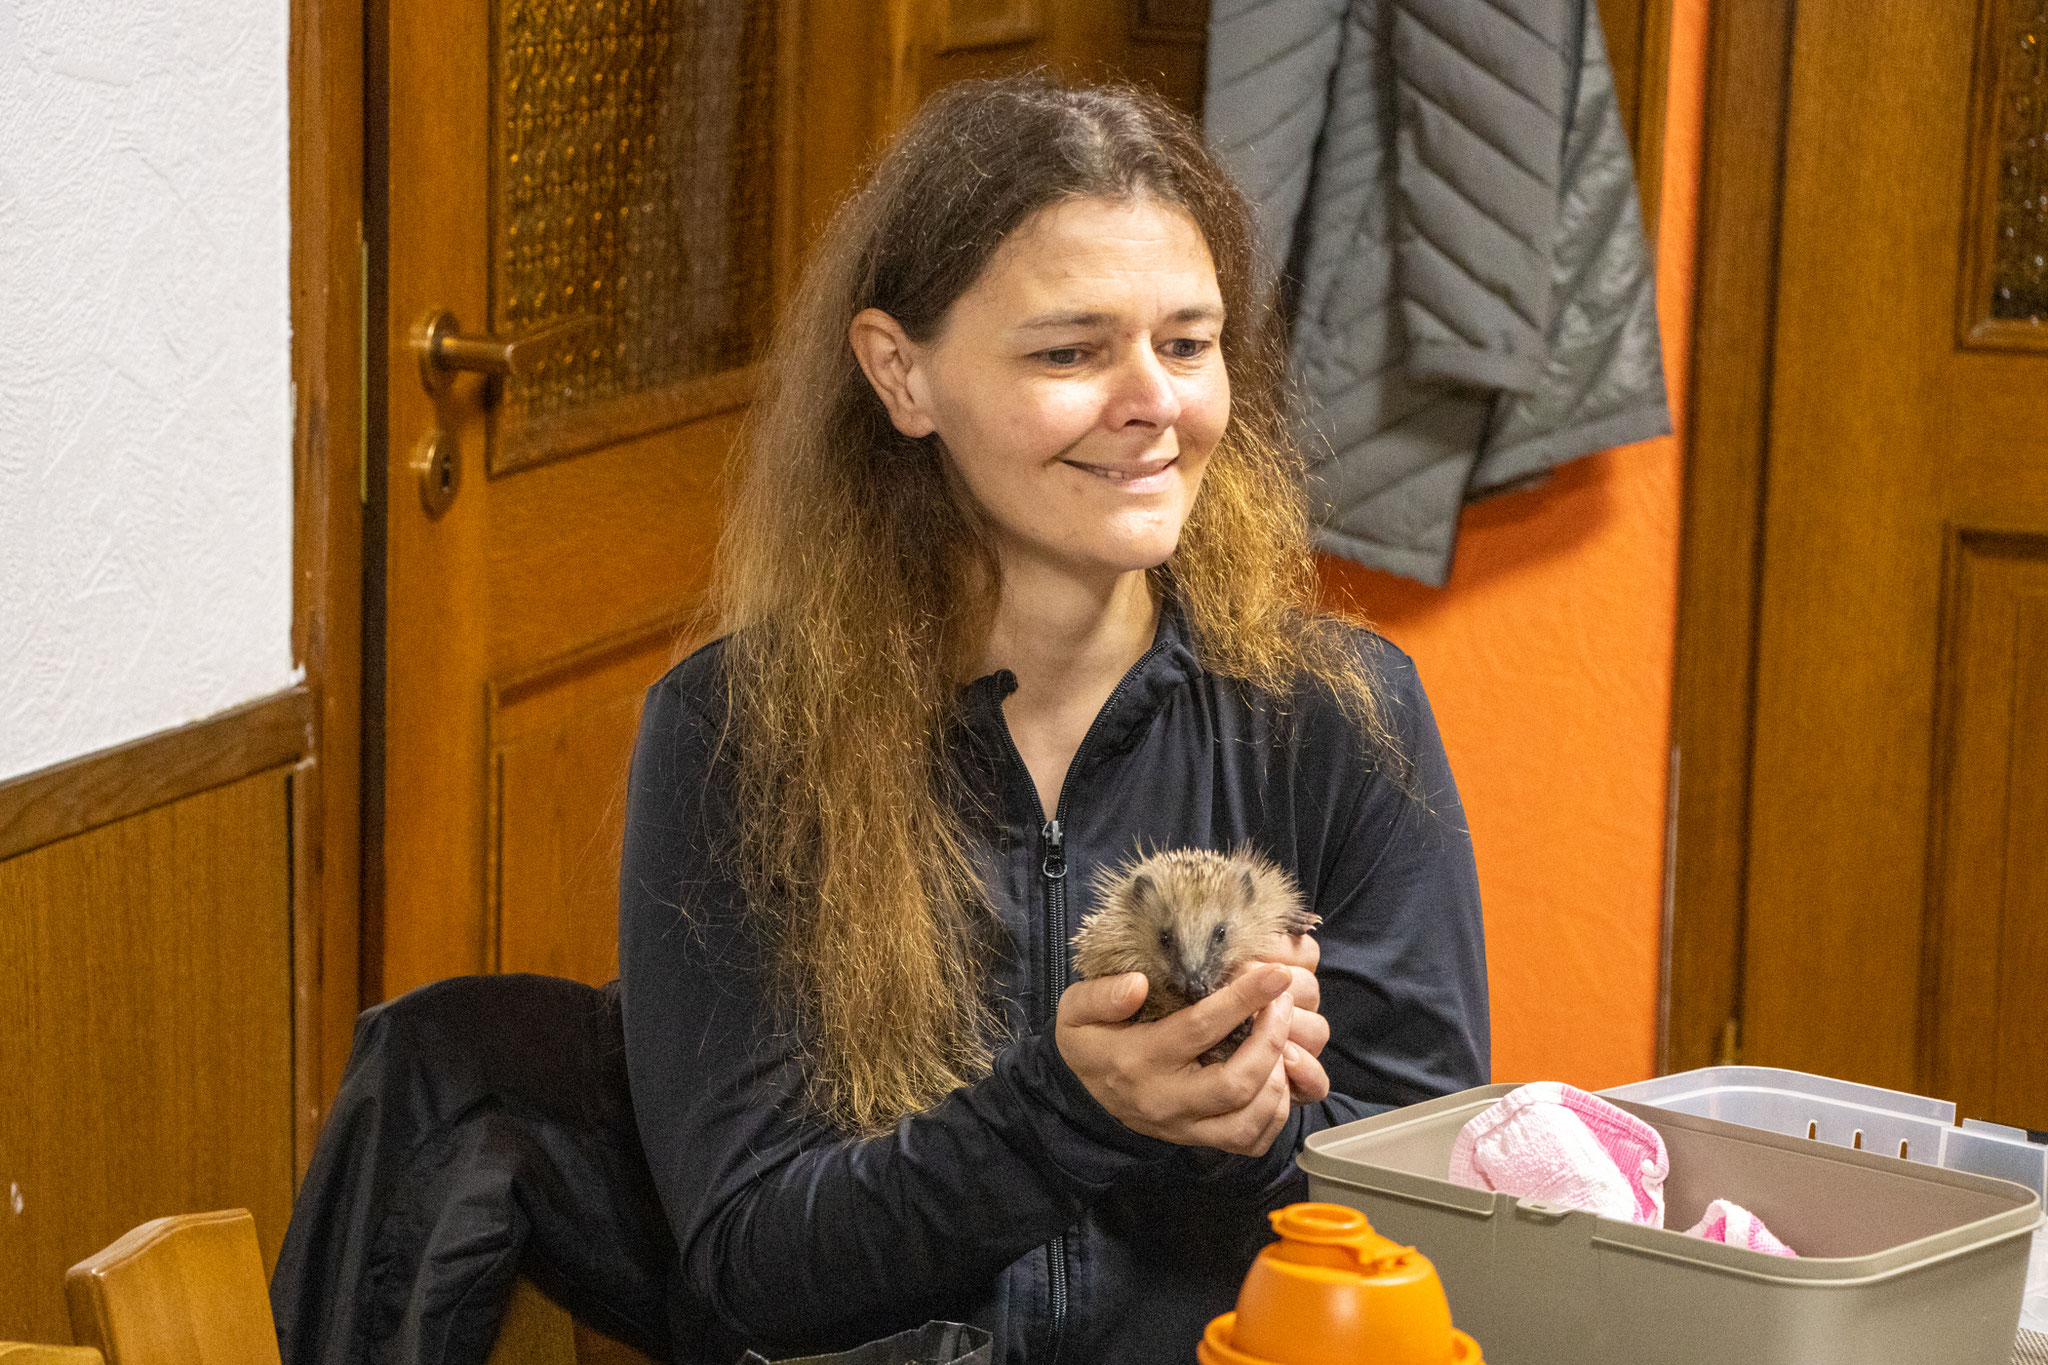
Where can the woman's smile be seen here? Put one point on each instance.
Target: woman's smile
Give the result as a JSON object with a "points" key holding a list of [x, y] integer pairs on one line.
{"points": [[1145, 476]]}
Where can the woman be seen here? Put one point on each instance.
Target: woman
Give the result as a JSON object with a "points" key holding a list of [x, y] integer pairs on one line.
{"points": [[1016, 583]]}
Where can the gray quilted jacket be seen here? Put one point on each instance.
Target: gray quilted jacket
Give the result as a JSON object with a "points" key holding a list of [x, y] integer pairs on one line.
{"points": [[1446, 185]]}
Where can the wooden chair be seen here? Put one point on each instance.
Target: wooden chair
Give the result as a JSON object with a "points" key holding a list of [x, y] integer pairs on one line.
{"points": [[186, 1290], [190, 1290]]}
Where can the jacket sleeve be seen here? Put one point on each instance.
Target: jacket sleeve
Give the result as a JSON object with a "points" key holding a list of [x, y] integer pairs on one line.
{"points": [[1482, 93], [1388, 865], [792, 1235]]}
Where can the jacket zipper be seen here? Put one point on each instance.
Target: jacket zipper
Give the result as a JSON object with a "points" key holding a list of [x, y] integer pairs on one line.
{"points": [[1053, 867]]}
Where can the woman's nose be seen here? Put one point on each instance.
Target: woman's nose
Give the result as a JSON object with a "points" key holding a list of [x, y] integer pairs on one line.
{"points": [[1144, 394]]}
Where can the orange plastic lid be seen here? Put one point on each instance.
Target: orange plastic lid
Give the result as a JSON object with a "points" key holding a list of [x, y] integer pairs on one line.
{"points": [[1332, 1291]]}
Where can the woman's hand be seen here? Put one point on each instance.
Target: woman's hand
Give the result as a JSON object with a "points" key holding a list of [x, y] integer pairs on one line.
{"points": [[1309, 1032], [1150, 1075]]}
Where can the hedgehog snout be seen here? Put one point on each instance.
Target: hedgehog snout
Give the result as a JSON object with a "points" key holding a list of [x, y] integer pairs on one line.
{"points": [[1194, 980]]}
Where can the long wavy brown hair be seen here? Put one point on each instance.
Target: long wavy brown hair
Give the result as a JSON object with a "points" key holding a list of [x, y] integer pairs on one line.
{"points": [[857, 582]]}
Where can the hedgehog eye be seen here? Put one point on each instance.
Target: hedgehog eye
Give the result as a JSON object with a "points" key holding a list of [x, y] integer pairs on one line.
{"points": [[1219, 935], [1166, 938]]}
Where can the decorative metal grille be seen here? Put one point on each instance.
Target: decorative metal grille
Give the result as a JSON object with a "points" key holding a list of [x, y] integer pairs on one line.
{"points": [[636, 156], [2019, 273]]}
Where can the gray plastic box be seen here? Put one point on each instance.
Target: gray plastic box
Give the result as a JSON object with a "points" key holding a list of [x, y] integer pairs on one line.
{"points": [[1893, 1122], [1900, 1264], [1914, 1127]]}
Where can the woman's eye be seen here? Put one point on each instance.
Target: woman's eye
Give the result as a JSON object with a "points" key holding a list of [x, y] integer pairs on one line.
{"points": [[1062, 355], [1187, 348]]}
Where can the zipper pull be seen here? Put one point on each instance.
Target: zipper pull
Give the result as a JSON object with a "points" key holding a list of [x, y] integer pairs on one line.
{"points": [[1055, 866]]}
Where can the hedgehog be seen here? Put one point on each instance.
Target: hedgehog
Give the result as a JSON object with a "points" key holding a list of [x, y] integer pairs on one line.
{"points": [[1187, 918]]}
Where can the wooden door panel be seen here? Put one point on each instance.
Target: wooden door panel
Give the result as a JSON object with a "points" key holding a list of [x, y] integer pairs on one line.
{"points": [[585, 548], [1988, 951], [561, 741]]}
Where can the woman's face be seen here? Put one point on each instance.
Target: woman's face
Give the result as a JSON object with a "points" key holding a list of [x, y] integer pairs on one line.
{"points": [[1078, 384]]}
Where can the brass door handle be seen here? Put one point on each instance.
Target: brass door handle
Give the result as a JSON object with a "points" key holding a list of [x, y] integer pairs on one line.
{"points": [[443, 350]]}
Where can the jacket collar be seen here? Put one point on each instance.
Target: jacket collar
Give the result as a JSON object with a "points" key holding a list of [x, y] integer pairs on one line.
{"points": [[1160, 670]]}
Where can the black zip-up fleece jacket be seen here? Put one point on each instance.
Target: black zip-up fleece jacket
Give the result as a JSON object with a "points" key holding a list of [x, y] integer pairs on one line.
{"points": [[1019, 1203]]}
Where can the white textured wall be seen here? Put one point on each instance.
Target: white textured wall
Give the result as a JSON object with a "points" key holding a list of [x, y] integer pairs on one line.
{"points": [[145, 391]]}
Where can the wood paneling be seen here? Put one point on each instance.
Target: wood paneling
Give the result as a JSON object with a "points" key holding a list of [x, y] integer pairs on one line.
{"points": [[1156, 43], [561, 739], [1169, 21], [1166, 47], [988, 23], [70, 798], [1988, 939], [145, 1035]]}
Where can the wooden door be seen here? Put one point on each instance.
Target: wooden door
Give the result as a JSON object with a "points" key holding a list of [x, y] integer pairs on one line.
{"points": [[656, 168], [1897, 886], [630, 163]]}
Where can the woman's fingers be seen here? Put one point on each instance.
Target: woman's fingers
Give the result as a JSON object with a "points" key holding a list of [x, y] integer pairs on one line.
{"points": [[1300, 955], [1308, 1031], [1293, 950], [1307, 1082], [1105, 1000], [1249, 1129], [1209, 1021], [1238, 1080], [1306, 990]]}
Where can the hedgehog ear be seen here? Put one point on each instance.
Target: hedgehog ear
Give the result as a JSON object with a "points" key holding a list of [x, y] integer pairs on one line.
{"points": [[1144, 892], [1251, 887]]}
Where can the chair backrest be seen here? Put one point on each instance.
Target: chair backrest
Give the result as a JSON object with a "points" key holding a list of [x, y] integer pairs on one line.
{"points": [[28, 1353], [190, 1290], [537, 1331], [185, 1290]]}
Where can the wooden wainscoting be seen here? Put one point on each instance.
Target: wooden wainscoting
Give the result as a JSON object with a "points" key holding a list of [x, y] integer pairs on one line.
{"points": [[146, 994]]}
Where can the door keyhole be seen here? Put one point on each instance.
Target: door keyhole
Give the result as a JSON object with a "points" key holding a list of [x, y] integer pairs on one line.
{"points": [[440, 468]]}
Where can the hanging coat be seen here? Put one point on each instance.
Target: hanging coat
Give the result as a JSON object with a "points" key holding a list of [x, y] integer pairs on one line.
{"points": [[1446, 187]]}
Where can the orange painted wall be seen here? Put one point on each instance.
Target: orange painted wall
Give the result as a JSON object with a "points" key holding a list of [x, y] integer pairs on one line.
{"points": [[1548, 661]]}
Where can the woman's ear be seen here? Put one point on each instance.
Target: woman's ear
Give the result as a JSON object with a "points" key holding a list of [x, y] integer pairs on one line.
{"points": [[888, 358]]}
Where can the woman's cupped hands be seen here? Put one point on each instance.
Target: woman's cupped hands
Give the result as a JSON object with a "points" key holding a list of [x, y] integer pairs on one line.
{"points": [[1151, 1078]]}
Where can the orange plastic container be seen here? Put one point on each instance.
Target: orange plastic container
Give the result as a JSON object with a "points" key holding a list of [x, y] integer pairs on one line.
{"points": [[1332, 1291]]}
